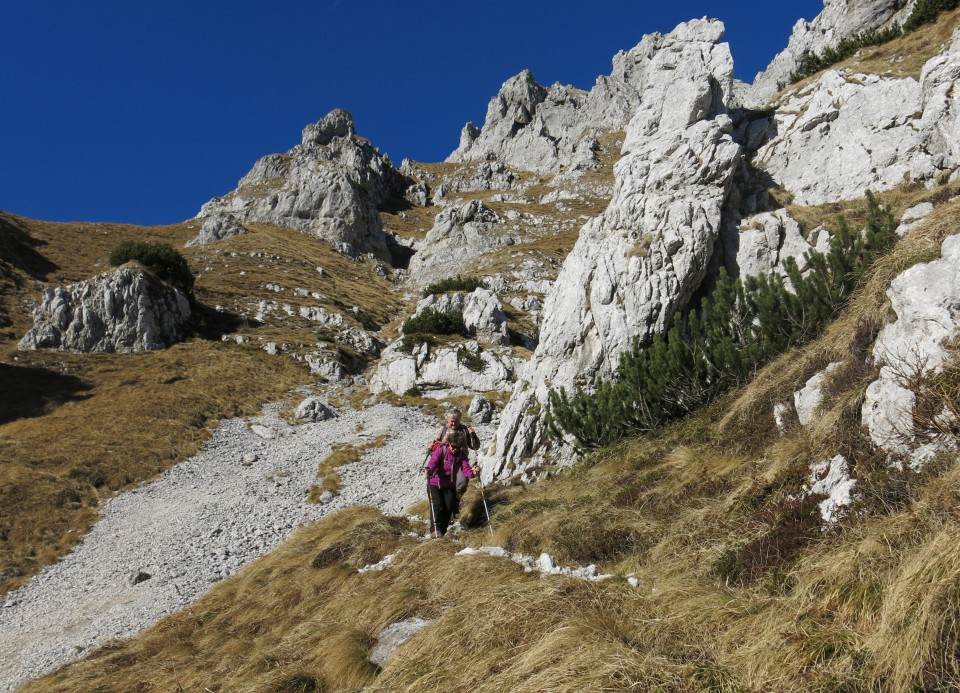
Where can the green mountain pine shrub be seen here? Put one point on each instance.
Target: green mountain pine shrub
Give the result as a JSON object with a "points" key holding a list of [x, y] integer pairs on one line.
{"points": [[160, 258], [457, 283], [926, 11], [413, 340], [431, 321], [742, 325]]}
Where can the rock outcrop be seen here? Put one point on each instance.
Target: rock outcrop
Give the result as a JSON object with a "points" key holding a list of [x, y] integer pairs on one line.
{"points": [[845, 133], [460, 233], [125, 310], [216, 228], [926, 300], [482, 312], [838, 19], [329, 185], [941, 104], [761, 244], [535, 128], [643, 258]]}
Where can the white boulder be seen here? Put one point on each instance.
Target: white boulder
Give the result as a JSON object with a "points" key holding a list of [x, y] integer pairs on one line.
{"points": [[127, 310], [926, 300]]}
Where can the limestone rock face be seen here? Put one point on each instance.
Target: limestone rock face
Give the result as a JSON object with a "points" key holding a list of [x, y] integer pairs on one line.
{"points": [[941, 103], [837, 20], [125, 310], [534, 128], [642, 259], [761, 244], [845, 133], [442, 371], [926, 299], [482, 313], [460, 233], [217, 227], [329, 186]]}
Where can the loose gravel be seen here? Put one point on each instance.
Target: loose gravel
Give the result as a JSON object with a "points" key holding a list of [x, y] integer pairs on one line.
{"points": [[159, 547]]}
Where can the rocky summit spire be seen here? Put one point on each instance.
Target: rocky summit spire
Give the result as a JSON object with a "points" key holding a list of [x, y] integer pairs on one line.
{"points": [[641, 260]]}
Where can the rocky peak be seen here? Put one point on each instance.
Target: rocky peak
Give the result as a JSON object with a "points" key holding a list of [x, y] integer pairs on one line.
{"points": [[642, 259], [329, 186], [535, 129], [337, 123]]}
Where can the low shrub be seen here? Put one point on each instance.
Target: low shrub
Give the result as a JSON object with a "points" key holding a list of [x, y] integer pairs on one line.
{"points": [[434, 322], [160, 258], [470, 360], [741, 326], [926, 11], [409, 342], [457, 283]]}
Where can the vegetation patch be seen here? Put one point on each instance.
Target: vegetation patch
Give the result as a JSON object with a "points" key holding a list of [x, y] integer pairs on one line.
{"points": [[430, 321], [341, 454], [708, 351], [160, 258], [470, 360], [409, 342], [456, 283], [924, 12]]}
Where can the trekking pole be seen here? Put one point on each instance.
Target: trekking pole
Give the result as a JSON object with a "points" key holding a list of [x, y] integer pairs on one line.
{"points": [[486, 509], [433, 517]]}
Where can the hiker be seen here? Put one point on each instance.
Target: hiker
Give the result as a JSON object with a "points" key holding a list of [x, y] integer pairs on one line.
{"points": [[454, 423], [452, 457]]}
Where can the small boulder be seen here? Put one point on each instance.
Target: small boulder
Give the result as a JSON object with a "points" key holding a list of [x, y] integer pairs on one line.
{"points": [[393, 636], [138, 576], [481, 410], [312, 409]]}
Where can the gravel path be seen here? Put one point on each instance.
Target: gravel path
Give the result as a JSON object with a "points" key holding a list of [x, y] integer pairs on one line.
{"points": [[198, 523]]}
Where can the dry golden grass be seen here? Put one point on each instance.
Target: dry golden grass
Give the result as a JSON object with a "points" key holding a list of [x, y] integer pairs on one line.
{"points": [[905, 56], [75, 429], [869, 606], [737, 590]]}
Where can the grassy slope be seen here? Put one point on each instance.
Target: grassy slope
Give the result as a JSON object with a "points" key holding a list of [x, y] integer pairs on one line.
{"points": [[151, 410], [741, 588]]}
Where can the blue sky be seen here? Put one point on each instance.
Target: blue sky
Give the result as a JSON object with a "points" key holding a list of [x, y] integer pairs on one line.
{"points": [[140, 112]]}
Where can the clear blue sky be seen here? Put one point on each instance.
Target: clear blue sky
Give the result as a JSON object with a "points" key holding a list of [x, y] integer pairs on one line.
{"points": [[140, 112]]}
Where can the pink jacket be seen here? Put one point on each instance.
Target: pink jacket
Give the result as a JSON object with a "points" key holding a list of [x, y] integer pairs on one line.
{"points": [[443, 465]]}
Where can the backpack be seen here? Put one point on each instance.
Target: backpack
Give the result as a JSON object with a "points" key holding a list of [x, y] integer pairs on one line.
{"points": [[473, 440]]}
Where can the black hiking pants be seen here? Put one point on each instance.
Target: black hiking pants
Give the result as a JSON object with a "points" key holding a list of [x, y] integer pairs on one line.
{"points": [[443, 503]]}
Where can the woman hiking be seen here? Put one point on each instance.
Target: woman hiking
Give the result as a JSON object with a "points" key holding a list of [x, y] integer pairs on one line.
{"points": [[453, 423], [449, 459]]}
